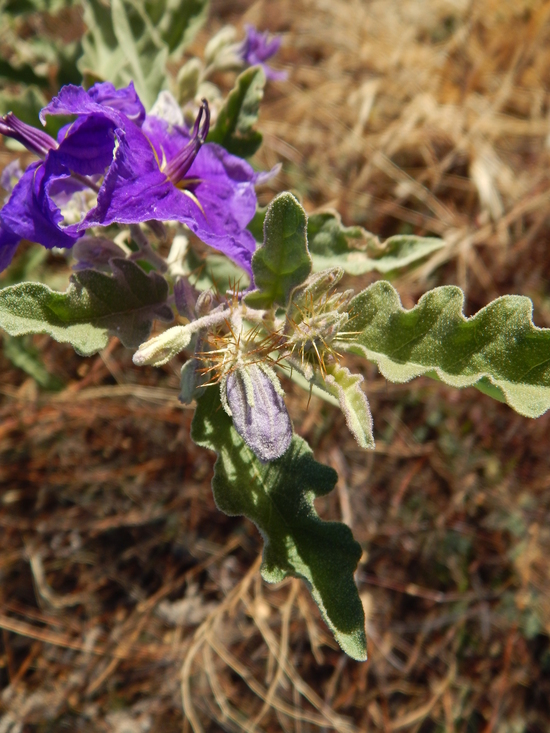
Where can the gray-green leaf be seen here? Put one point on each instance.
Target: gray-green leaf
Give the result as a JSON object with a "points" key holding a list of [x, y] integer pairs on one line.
{"points": [[24, 356], [498, 349], [282, 262], [93, 307], [278, 497], [235, 122], [358, 251], [133, 40], [346, 388]]}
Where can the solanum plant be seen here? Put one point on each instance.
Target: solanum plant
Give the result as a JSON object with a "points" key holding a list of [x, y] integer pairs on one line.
{"points": [[120, 184]]}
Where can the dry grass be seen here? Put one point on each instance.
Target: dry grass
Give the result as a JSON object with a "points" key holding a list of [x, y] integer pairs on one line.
{"points": [[124, 591]]}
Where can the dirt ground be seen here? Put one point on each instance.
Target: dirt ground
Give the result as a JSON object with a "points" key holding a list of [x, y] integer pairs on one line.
{"points": [[123, 591]]}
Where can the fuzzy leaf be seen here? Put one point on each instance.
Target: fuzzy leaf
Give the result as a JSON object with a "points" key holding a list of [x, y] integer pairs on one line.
{"points": [[24, 356], [122, 46], [176, 22], [358, 251], [278, 498], [497, 349], [93, 307], [283, 261], [215, 272], [346, 388], [235, 122]]}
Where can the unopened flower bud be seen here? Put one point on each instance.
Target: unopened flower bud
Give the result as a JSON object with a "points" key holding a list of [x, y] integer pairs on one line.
{"points": [[167, 109], [253, 397], [223, 38], [184, 297], [205, 303], [95, 252], [188, 79], [160, 349]]}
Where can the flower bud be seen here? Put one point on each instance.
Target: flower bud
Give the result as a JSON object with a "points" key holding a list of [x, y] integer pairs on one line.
{"points": [[95, 252], [205, 303], [160, 349], [187, 80], [167, 108], [253, 397], [184, 297], [218, 43]]}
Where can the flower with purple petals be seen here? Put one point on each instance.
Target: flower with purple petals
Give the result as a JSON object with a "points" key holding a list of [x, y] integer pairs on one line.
{"points": [[32, 211], [257, 48], [164, 172], [151, 170]]}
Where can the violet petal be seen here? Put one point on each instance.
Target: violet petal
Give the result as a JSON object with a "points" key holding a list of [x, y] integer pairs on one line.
{"points": [[31, 214]]}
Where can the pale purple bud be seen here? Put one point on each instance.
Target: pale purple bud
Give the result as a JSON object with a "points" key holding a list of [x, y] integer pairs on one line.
{"points": [[10, 175], [253, 397], [95, 252], [184, 297]]}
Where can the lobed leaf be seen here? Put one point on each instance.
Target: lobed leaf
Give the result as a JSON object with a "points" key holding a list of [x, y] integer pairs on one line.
{"points": [[93, 307], [282, 262], [357, 251], [234, 125], [278, 497], [497, 350]]}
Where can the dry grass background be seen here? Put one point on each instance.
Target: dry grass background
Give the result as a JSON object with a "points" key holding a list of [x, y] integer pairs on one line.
{"points": [[124, 591]]}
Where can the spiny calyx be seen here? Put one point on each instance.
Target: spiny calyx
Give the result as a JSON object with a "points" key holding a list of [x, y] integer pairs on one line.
{"points": [[314, 322]]}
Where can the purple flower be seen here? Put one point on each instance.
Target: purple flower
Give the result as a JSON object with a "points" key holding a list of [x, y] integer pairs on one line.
{"points": [[257, 48], [151, 171], [32, 212], [164, 172]]}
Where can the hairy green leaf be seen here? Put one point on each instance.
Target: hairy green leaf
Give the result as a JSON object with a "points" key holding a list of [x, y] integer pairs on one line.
{"points": [[358, 251], [497, 349], [346, 388], [283, 261], [93, 307], [120, 46], [235, 122], [26, 106], [278, 497], [24, 356], [20, 7], [177, 21], [134, 40], [215, 272]]}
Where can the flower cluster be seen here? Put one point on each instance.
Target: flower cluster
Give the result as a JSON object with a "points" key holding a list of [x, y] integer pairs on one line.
{"points": [[134, 167]]}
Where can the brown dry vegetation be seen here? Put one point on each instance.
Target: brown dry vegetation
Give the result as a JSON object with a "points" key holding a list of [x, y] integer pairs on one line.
{"points": [[124, 590]]}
